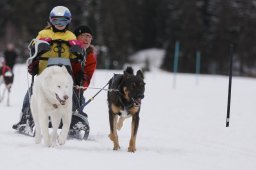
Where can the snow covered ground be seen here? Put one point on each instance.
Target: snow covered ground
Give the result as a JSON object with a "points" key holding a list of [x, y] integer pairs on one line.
{"points": [[180, 129]]}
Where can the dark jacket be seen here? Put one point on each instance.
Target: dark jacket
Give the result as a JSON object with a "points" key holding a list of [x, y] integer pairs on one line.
{"points": [[10, 58]]}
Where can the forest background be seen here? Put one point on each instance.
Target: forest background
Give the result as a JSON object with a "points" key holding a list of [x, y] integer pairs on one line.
{"points": [[122, 28]]}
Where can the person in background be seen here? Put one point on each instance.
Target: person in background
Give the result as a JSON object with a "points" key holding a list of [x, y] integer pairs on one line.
{"points": [[10, 55]]}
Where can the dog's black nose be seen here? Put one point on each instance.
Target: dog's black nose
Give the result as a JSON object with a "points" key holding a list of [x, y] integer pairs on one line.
{"points": [[141, 96], [65, 97]]}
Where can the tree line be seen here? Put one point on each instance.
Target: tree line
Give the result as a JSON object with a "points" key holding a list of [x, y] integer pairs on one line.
{"points": [[122, 28]]}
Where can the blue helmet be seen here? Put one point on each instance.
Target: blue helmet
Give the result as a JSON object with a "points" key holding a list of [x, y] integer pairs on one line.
{"points": [[60, 16]]}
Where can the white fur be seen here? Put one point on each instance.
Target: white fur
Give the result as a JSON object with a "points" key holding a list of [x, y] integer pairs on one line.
{"points": [[44, 103]]}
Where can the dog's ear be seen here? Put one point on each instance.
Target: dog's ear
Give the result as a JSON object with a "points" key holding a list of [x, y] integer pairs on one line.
{"points": [[128, 70], [140, 74], [126, 93]]}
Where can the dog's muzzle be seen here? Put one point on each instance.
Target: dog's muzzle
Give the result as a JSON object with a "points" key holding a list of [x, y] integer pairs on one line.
{"points": [[137, 101], [62, 102]]}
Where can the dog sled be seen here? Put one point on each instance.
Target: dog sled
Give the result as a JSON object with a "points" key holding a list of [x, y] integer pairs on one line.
{"points": [[79, 127]]}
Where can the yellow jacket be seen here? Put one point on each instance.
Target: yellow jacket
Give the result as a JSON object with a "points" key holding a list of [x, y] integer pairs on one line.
{"points": [[66, 36]]}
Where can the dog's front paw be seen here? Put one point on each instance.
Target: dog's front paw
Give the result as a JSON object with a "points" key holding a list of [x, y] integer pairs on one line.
{"points": [[132, 145], [38, 138], [62, 139], [54, 139], [48, 143], [54, 144], [131, 149], [116, 147]]}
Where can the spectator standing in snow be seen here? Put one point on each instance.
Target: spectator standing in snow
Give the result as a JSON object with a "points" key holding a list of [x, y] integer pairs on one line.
{"points": [[10, 55]]}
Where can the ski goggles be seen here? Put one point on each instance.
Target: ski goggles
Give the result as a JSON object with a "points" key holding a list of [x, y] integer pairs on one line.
{"points": [[60, 21]]}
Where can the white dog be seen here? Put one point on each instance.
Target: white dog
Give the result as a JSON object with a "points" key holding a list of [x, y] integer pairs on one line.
{"points": [[52, 97]]}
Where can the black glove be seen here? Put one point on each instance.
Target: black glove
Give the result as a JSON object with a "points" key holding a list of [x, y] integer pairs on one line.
{"points": [[77, 51], [33, 67]]}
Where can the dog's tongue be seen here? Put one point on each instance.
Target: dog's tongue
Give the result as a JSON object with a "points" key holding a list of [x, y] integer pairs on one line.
{"points": [[62, 102], [138, 101]]}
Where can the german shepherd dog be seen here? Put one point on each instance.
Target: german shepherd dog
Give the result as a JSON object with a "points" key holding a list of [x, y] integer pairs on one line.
{"points": [[125, 102], [6, 78]]}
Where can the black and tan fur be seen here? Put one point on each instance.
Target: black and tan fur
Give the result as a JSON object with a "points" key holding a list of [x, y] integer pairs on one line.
{"points": [[125, 103]]}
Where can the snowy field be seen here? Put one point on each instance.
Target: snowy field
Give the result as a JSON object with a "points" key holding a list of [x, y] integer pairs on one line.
{"points": [[180, 129]]}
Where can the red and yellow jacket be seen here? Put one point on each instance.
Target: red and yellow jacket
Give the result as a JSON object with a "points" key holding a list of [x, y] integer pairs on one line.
{"points": [[65, 36], [81, 74]]}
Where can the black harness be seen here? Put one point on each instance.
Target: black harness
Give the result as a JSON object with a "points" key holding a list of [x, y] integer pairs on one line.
{"points": [[75, 49]]}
